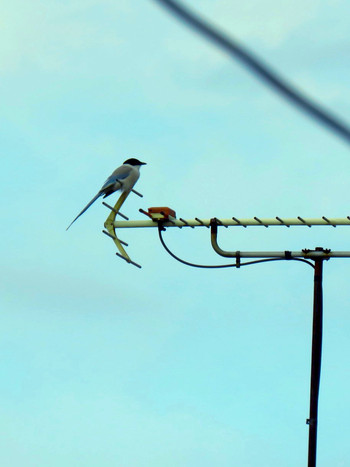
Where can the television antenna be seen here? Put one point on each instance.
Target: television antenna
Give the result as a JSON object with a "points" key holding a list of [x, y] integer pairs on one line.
{"points": [[164, 217]]}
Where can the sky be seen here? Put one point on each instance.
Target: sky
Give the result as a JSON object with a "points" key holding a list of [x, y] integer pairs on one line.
{"points": [[103, 364]]}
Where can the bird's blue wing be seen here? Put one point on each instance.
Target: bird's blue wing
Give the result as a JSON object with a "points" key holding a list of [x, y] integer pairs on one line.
{"points": [[119, 174]]}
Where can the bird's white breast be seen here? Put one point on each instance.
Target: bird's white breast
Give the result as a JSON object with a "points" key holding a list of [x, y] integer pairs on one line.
{"points": [[132, 178]]}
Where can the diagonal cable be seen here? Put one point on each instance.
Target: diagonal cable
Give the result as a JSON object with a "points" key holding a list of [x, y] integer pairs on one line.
{"points": [[260, 69]]}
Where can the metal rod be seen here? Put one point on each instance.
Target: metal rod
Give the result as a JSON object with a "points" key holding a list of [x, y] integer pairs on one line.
{"points": [[129, 261], [186, 223], [111, 236], [303, 221], [315, 360], [328, 221], [307, 254], [201, 222], [137, 193], [241, 222], [238, 222], [282, 221], [118, 213], [260, 221], [109, 207], [122, 215]]}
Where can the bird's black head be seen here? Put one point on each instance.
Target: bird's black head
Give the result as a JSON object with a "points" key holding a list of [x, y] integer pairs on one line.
{"points": [[133, 161]]}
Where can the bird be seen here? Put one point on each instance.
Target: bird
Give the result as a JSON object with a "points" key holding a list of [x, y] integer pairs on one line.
{"points": [[123, 178]]}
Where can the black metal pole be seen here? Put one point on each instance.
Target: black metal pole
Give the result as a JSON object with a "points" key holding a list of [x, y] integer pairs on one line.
{"points": [[315, 360]]}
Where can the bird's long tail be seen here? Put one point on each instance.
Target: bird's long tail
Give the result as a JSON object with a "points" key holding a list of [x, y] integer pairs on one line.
{"points": [[86, 207]]}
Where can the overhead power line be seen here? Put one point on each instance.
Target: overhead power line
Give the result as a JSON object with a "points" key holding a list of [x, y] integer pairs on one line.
{"points": [[259, 68]]}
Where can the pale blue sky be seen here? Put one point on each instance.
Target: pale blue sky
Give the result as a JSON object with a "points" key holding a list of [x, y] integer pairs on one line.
{"points": [[103, 364]]}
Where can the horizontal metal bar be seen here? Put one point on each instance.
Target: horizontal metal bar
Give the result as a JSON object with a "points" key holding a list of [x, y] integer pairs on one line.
{"points": [[304, 222], [283, 254], [306, 253]]}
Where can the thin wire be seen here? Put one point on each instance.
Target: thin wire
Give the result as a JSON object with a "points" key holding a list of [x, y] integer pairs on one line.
{"points": [[263, 71], [304, 261], [219, 266]]}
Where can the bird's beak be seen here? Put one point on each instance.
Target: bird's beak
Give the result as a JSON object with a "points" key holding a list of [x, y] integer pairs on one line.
{"points": [[143, 163]]}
